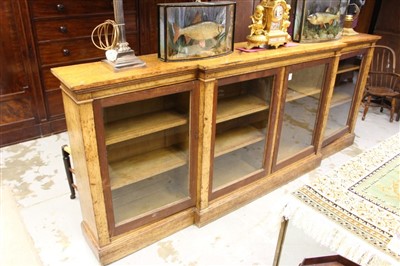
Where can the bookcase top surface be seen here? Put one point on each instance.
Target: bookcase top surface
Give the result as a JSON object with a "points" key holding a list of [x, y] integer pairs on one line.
{"points": [[98, 76]]}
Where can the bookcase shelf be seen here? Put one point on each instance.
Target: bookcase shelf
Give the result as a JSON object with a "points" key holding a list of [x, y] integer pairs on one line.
{"points": [[230, 168], [145, 166], [236, 139], [341, 95], [347, 67], [234, 107], [147, 196], [130, 128], [298, 93]]}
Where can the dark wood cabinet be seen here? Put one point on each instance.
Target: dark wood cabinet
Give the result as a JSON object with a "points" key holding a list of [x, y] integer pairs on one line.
{"points": [[20, 109]]}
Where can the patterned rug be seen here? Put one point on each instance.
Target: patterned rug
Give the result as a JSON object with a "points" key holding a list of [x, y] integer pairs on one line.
{"points": [[356, 209]]}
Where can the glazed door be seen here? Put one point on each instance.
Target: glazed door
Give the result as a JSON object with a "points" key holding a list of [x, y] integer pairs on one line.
{"points": [[343, 109], [299, 118], [241, 130], [147, 153]]}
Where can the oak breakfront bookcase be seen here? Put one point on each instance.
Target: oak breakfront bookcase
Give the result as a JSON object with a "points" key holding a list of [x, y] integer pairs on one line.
{"points": [[159, 148]]}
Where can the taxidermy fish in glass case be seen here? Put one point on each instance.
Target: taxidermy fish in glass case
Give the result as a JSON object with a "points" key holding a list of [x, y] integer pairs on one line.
{"points": [[199, 32], [318, 20], [195, 30], [323, 18]]}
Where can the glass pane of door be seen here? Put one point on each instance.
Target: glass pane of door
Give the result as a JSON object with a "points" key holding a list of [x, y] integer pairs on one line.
{"points": [[241, 126], [342, 97], [147, 145], [300, 110]]}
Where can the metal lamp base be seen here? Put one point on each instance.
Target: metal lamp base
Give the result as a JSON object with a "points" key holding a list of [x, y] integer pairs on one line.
{"points": [[125, 60], [349, 32]]}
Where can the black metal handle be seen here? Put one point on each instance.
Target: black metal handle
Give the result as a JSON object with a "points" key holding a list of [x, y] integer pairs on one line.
{"points": [[63, 29], [60, 7], [66, 52]]}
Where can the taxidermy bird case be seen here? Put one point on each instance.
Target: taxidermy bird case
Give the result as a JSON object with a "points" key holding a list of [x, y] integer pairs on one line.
{"points": [[195, 30]]}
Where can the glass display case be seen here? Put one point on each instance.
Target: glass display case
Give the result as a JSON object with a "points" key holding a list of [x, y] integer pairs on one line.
{"points": [[318, 20], [241, 124], [147, 153], [300, 113], [195, 30]]}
